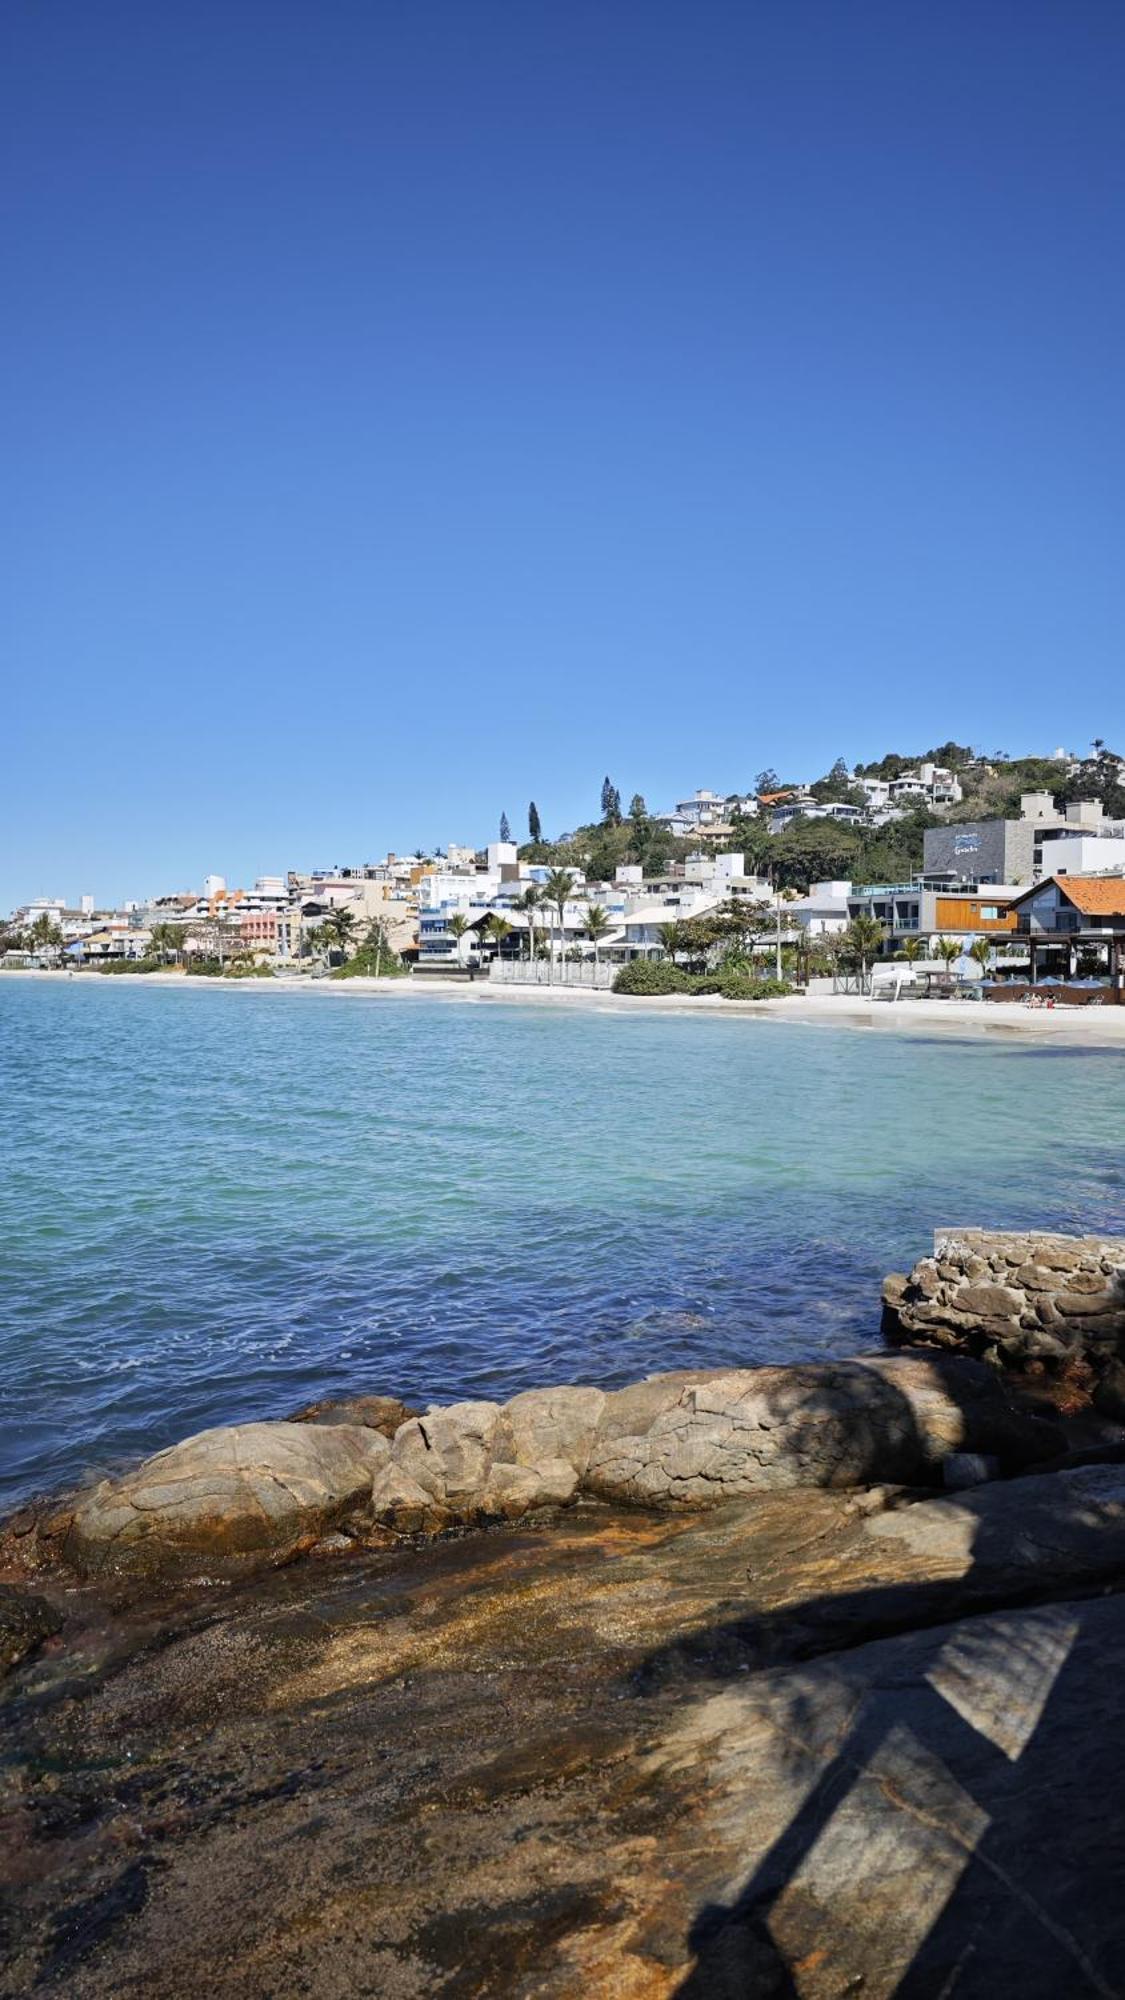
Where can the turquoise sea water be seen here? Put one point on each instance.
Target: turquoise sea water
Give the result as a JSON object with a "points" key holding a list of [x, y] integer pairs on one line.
{"points": [[223, 1203]]}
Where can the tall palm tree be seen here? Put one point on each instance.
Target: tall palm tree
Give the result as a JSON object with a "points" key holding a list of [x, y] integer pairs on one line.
{"points": [[912, 950], [527, 904], [864, 936], [497, 928], [981, 950], [557, 892], [947, 949], [457, 925], [597, 924]]}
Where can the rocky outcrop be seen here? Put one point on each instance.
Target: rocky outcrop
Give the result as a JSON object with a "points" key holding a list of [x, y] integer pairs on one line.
{"points": [[755, 1430], [786, 1746], [690, 1439], [231, 1491], [1019, 1301]]}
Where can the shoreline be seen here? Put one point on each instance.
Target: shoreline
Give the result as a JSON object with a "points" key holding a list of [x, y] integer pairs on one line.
{"points": [[1081, 1027]]}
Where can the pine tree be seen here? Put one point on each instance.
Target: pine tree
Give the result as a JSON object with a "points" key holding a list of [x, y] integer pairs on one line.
{"points": [[505, 829], [607, 797], [534, 828], [637, 807]]}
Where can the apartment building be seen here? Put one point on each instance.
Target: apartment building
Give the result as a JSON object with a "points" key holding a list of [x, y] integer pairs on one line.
{"points": [[1020, 850]]}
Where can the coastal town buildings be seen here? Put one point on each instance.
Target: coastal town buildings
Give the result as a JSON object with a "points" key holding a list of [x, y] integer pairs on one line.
{"points": [[462, 906], [1019, 850]]}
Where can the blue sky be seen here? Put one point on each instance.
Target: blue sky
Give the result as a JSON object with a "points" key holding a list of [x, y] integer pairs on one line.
{"points": [[412, 409]]}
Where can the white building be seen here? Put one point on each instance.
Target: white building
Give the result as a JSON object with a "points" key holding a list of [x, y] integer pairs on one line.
{"points": [[824, 910]]}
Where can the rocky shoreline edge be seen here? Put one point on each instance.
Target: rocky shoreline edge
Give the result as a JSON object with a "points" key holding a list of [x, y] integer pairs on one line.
{"points": [[778, 1680]]}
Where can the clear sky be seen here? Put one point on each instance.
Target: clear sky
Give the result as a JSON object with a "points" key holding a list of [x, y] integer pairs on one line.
{"points": [[418, 406]]}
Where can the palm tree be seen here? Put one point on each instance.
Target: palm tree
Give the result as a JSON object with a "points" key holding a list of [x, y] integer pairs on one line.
{"points": [[597, 924], [864, 936], [557, 891], [457, 925], [672, 938], [981, 950], [527, 904], [377, 941], [947, 949], [338, 930], [912, 950], [497, 928], [166, 940]]}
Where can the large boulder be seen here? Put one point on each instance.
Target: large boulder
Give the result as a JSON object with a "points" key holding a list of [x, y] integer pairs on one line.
{"points": [[555, 1423], [450, 1452], [230, 1491], [823, 1424]]}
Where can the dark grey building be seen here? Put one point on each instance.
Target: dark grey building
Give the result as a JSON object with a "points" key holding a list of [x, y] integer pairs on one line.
{"points": [[985, 850]]}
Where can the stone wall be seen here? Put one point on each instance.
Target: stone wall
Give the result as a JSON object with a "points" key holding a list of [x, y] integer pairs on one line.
{"points": [[1018, 1300]]}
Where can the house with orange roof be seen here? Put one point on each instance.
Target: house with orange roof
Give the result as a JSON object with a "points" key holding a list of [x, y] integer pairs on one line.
{"points": [[1075, 920]]}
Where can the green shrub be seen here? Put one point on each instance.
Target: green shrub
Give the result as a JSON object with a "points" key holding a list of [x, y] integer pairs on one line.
{"points": [[646, 976], [642, 976], [738, 986], [367, 963]]}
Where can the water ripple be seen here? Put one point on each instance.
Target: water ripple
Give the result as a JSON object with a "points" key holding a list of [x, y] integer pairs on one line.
{"points": [[219, 1204]]}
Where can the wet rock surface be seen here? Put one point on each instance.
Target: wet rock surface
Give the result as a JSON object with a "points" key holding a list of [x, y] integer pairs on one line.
{"points": [[25, 1622], [809, 1741]]}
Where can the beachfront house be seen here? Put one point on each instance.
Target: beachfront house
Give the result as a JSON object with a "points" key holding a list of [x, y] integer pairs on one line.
{"points": [[1075, 924]]}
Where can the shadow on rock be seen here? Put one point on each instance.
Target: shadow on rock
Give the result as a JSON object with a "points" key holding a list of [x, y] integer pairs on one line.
{"points": [[912, 1806]]}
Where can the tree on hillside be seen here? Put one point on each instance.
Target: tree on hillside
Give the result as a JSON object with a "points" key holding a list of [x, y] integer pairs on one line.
{"points": [[611, 803], [638, 811], [505, 829], [838, 787], [534, 824], [767, 781]]}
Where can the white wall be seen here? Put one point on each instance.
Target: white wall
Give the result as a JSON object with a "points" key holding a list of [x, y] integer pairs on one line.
{"points": [[1084, 854]]}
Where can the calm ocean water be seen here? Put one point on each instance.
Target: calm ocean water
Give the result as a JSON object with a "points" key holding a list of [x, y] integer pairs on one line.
{"points": [[222, 1203]]}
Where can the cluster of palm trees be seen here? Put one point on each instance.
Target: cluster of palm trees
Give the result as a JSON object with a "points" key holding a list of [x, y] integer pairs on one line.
{"points": [[549, 899]]}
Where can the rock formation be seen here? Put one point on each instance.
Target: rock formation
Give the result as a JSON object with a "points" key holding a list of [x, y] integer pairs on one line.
{"points": [[1051, 1303], [682, 1440]]}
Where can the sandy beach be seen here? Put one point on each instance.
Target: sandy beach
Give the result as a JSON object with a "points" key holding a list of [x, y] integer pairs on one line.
{"points": [[1083, 1027]]}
